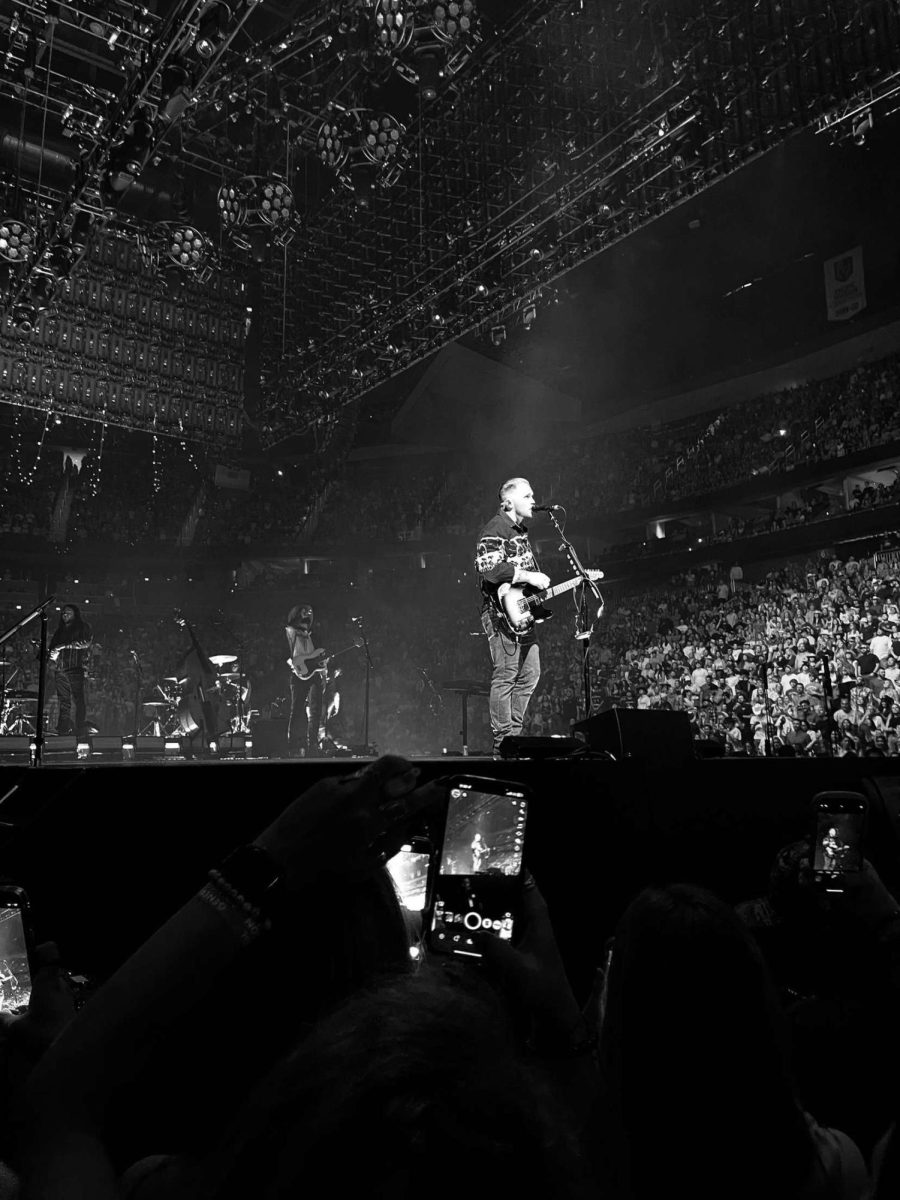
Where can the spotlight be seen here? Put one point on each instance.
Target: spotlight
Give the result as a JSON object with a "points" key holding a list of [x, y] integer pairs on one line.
{"points": [[429, 69], [176, 90], [187, 247], [211, 32], [82, 231], [16, 240], [452, 18], [498, 335], [393, 23], [381, 135], [130, 156], [544, 242], [232, 206], [529, 315], [332, 142], [276, 202]]}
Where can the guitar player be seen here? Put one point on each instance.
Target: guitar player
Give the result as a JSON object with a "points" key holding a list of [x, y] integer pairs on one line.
{"points": [[504, 556], [69, 651], [306, 694]]}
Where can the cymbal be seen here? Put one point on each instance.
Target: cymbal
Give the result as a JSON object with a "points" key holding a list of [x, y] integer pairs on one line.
{"points": [[223, 660], [474, 687], [174, 679], [155, 703], [231, 675], [22, 694]]}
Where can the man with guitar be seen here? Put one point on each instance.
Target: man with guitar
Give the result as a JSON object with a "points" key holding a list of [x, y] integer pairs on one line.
{"points": [[69, 650], [504, 559], [308, 670]]}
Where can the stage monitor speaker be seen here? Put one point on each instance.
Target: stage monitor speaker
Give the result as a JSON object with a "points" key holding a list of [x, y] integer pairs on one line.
{"points": [[539, 747], [646, 735]]}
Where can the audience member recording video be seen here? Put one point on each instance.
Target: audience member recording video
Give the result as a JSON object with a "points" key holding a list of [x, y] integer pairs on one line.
{"points": [[695, 1066]]}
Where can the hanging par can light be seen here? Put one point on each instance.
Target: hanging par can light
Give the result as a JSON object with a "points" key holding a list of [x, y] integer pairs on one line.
{"points": [[232, 205], [333, 141], [276, 203], [17, 240], [380, 138], [393, 25], [187, 247]]}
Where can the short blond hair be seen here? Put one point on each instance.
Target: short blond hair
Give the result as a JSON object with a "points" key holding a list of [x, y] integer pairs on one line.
{"points": [[510, 486]]}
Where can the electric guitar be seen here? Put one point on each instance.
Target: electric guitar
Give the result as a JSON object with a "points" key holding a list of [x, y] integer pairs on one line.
{"points": [[520, 606], [318, 661], [55, 653]]}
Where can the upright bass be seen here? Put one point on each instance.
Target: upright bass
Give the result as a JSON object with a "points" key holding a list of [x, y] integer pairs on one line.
{"points": [[198, 705]]}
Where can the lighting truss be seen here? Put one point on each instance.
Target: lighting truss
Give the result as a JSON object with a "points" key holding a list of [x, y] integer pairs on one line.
{"points": [[577, 126]]}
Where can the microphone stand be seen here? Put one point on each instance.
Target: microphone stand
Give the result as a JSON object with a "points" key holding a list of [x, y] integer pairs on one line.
{"points": [[138, 688], [370, 667], [37, 746], [584, 635]]}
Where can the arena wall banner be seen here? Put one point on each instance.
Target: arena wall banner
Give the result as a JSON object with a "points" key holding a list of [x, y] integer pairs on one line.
{"points": [[845, 285]]}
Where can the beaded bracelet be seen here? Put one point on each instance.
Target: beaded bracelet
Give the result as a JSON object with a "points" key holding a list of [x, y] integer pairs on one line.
{"points": [[247, 921]]}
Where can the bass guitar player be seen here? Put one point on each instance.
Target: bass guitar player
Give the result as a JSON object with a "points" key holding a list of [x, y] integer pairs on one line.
{"points": [[307, 665]]}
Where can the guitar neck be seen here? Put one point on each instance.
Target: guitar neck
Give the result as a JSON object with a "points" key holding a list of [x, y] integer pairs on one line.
{"points": [[560, 588]]}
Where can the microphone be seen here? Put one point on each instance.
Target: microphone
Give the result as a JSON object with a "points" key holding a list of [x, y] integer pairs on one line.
{"points": [[548, 508]]}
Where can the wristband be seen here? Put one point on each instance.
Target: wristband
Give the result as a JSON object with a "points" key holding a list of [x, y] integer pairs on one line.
{"points": [[253, 875]]}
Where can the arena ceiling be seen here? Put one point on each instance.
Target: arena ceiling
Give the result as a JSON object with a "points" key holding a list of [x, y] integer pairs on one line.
{"points": [[392, 176]]}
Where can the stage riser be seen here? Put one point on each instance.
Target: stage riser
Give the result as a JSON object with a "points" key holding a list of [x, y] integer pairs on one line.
{"points": [[106, 853]]}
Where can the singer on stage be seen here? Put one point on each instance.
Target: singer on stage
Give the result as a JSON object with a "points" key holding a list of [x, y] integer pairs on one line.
{"points": [[504, 557], [69, 651]]}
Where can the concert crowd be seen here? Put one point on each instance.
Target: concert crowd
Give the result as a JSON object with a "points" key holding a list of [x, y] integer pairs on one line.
{"points": [[132, 500]]}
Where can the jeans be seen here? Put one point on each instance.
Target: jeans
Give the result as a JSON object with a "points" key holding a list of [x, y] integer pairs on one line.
{"points": [[303, 731], [70, 690], [517, 669]]}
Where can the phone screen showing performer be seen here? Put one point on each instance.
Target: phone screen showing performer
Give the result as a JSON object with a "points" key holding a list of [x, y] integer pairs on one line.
{"points": [[837, 837], [479, 881], [15, 970]]}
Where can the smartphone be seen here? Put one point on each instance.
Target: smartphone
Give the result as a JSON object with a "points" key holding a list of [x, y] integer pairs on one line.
{"points": [[15, 947], [478, 884], [409, 869], [839, 825]]}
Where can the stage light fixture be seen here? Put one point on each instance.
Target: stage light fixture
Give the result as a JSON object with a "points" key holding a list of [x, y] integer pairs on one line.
{"points": [[380, 140], [429, 70], [42, 290], [453, 18], [393, 23], [529, 315], [211, 31], [177, 92], [130, 156], [276, 203], [498, 335], [232, 202], [332, 142], [16, 240], [187, 247]]}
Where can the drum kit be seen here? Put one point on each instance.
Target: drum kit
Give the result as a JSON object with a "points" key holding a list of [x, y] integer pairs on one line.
{"points": [[18, 712], [166, 706]]}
